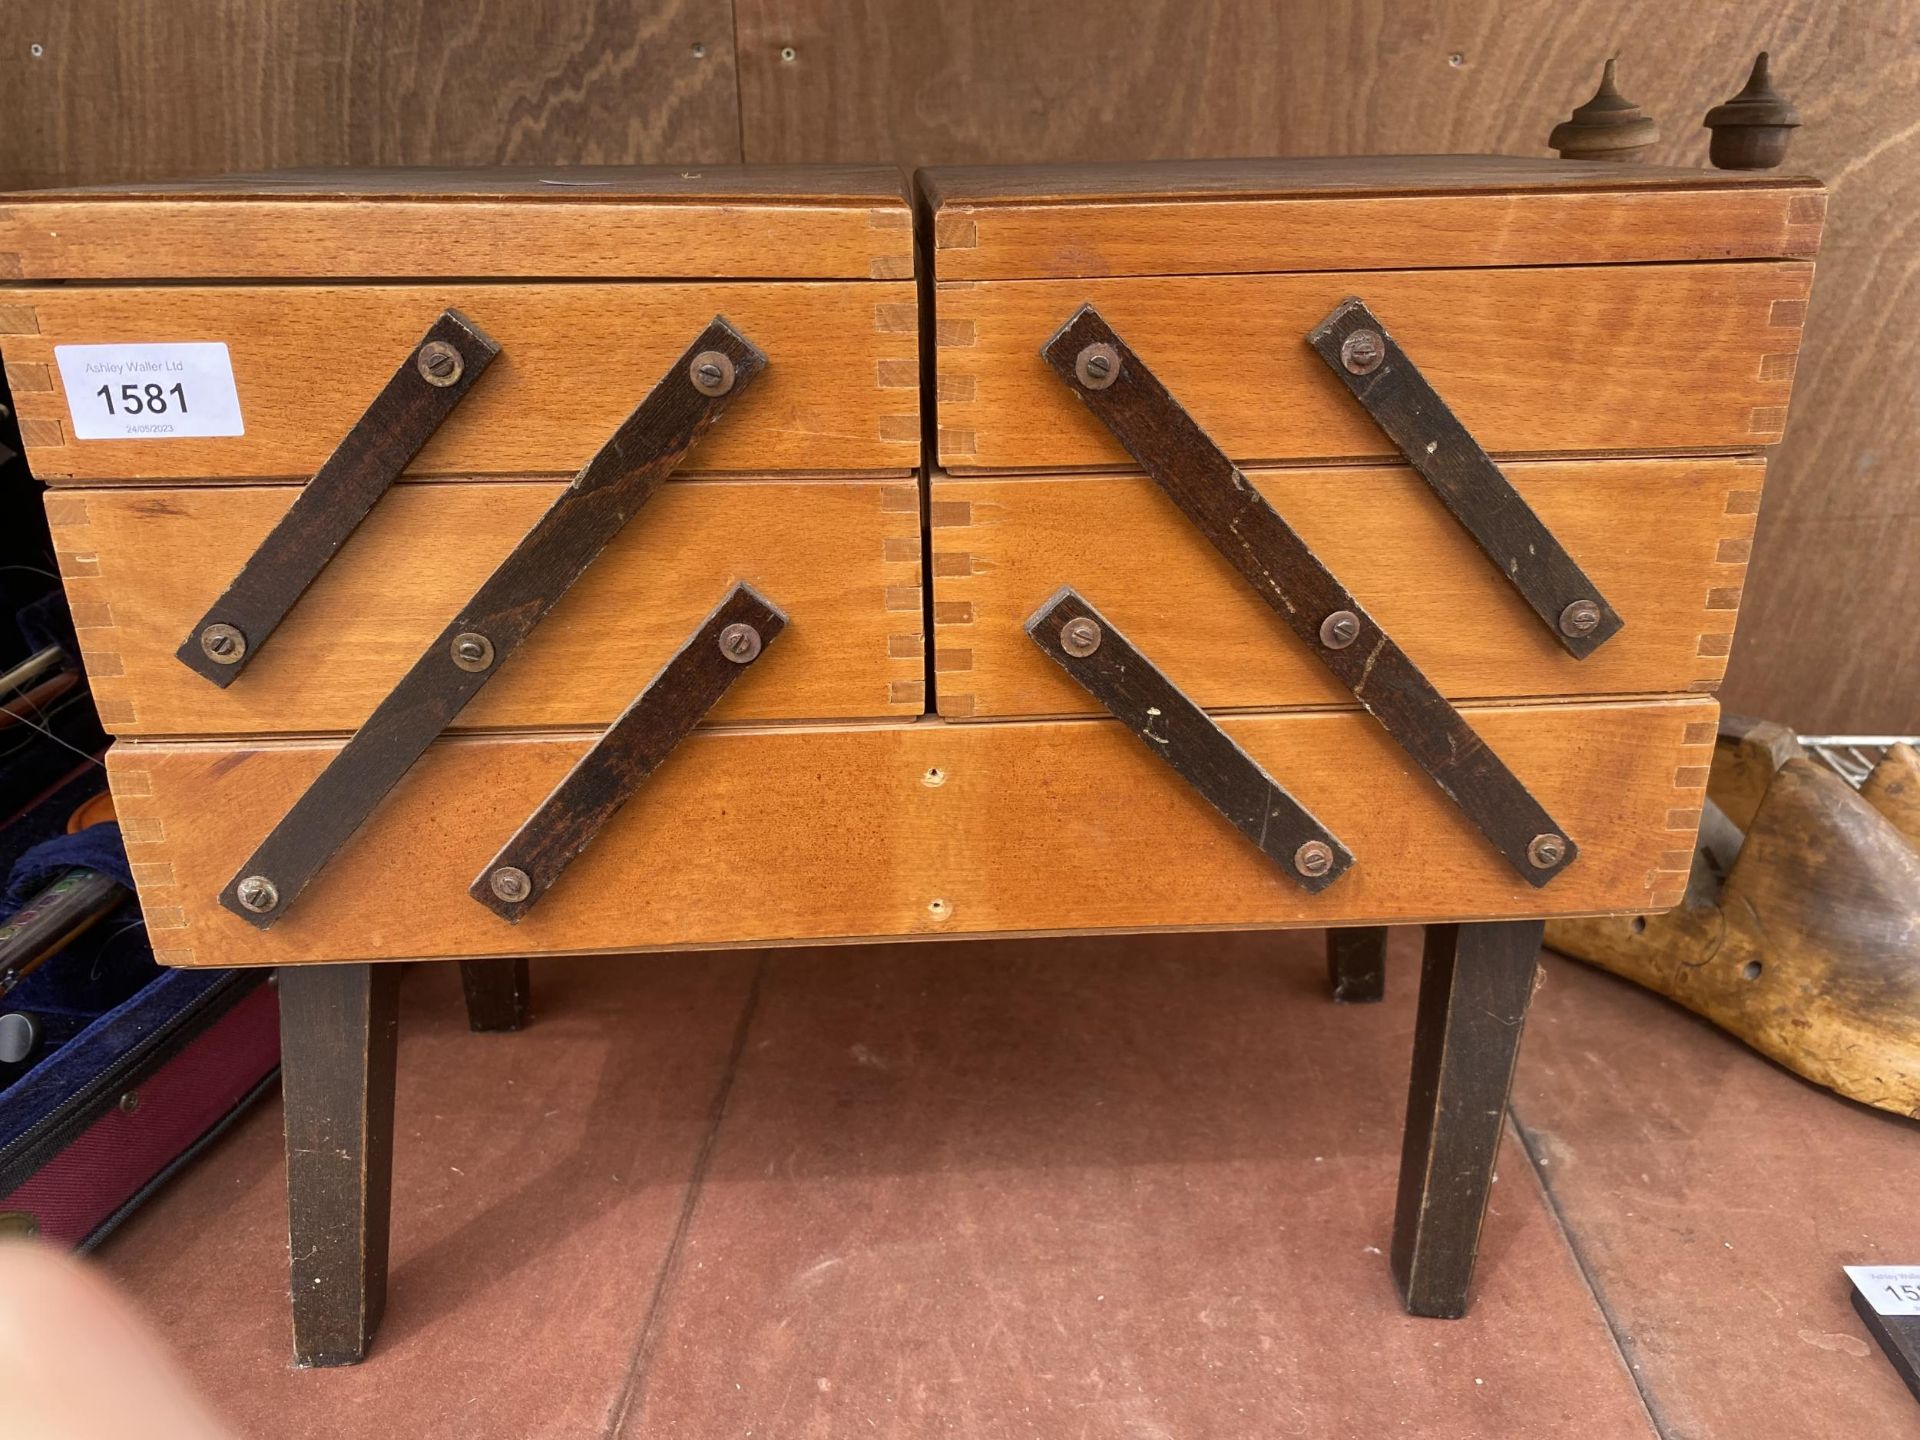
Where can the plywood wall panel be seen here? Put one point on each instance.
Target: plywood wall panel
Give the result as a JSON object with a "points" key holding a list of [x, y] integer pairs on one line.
{"points": [[150, 89]]}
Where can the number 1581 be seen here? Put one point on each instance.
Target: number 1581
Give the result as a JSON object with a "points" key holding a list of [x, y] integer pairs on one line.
{"points": [[148, 399]]}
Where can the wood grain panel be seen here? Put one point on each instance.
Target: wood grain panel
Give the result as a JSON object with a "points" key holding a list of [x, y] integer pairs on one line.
{"points": [[1663, 540], [1596, 359], [576, 359], [131, 89], [968, 82], [842, 558], [322, 239], [785, 835], [1353, 213]]}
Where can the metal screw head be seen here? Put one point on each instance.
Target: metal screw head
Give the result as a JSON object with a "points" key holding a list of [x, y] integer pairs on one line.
{"points": [[439, 363], [1097, 366], [740, 642], [129, 1102], [1313, 859], [711, 373], [510, 883], [223, 644], [257, 893], [1546, 851], [1340, 629], [1582, 617], [1362, 351], [1080, 637], [471, 651]]}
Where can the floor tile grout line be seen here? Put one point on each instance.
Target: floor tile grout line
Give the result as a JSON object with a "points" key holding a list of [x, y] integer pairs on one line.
{"points": [[1622, 1343], [633, 1386]]}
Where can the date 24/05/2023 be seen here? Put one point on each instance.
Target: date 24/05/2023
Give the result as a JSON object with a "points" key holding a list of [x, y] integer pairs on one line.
{"points": [[161, 391]]}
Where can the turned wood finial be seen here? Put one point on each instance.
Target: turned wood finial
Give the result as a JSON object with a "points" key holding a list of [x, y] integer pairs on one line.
{"points": [[1607, 127], [1751, 131]]}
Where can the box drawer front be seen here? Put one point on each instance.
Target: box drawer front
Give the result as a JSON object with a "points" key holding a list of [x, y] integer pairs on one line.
{"points": [[840, 392], [1666, 541], [840, 557], [1254, 234], [801, 834], [1585, 360]]}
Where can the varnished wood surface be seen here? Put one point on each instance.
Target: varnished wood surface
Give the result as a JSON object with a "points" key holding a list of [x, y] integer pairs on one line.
{"points": [[1353, 213], [840, 392], [842, 555], [1273, 177], [1532, 361], [329, 239], [670, 222], [684, 186], [1665, 540], [969, 82], [788, 835]]}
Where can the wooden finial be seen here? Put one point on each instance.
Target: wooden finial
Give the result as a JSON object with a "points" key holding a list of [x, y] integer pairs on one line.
{"points": [[1607, 127], [1751, 131]]}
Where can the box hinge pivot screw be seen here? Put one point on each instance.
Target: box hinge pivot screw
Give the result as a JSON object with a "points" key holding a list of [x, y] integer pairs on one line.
{"points": [[511, 884], [440, 364], [1362, 351], [1546, 851], [711, 372], [472, 651], [257, 893], [1313, 859], [223, 644], [1582, 617], [1340, 629], [740, 643], [1098, 366], [1080, 638]]}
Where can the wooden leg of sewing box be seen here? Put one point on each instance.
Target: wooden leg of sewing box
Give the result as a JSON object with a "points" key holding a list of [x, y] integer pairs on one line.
{"points": [[1357, 963], [1475, 984], [338, 1030], [498, 993]]}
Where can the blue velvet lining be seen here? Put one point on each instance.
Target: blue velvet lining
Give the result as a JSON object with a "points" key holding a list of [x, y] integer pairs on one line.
{"points": [[98, 972], [52, 1082]]}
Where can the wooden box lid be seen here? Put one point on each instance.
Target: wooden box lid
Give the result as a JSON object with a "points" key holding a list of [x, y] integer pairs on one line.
{"points": [[995, 222], [614, 222]]}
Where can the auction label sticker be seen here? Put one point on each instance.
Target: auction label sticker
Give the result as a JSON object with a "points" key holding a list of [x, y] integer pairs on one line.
{"points": [[1890, 1289], [150, 392]]}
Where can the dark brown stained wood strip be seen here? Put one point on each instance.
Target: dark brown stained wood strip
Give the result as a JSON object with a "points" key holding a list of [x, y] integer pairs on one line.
{"points": [[1357, 963], [369, 458], [1272, 558], [607, 493], [1412, 415], [339, 1033], [1476, 982], [633, 747], [1182, 734], [498, 993]]}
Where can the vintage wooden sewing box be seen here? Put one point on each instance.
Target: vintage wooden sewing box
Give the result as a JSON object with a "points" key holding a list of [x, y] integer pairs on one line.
{"points": [[1327, 543]]}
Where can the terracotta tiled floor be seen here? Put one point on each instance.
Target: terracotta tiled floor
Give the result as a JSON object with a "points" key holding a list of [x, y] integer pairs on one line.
{"points": [[1134, 1188]]}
